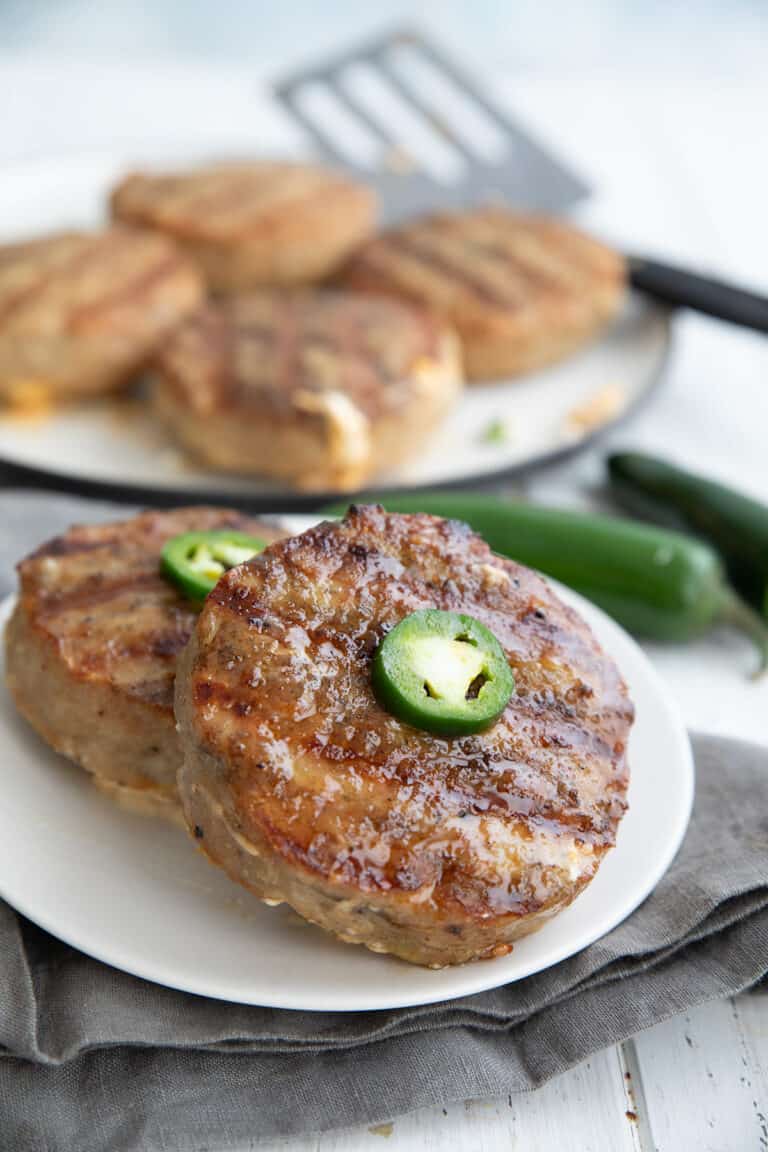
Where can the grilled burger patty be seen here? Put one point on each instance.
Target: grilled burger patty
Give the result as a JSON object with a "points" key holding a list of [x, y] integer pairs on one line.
{"points": [[252, 223], [92, 645], [299, 784], [80, 313], [522, 291], [321, 388]]}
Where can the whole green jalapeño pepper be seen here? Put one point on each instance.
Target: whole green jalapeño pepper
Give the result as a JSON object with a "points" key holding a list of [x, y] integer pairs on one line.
{"points": [[734, 524], [196, 561], [444, 672]]}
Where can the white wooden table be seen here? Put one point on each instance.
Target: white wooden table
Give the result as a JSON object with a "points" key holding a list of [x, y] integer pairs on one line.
{"points": [[698, 1083], [668, 121]]}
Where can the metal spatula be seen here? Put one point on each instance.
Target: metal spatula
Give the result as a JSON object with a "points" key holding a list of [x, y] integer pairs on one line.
{"points": [[401, 115]]}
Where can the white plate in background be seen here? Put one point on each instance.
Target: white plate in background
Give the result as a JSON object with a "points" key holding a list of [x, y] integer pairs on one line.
{"points": [[107, 447]]}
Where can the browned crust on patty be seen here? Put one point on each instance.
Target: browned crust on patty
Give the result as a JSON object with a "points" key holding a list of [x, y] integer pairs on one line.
{"points": [[93, 642], [306, 790], [254, 223], [80, 313], [319, 387], [522, 291]]}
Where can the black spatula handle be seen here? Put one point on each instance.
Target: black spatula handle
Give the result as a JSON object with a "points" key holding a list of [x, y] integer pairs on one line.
{"points": [[689, 290]]}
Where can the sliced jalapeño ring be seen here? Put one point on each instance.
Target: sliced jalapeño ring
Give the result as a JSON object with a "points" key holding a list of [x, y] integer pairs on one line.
{"points": [[443, 672], [196, 561]]}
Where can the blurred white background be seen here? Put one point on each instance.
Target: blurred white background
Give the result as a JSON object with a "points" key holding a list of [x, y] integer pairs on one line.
{"points": [[722, 36]]}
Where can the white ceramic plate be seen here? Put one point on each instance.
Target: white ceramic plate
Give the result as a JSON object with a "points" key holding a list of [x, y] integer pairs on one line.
{"points": [[132, 890], [105, 445]]}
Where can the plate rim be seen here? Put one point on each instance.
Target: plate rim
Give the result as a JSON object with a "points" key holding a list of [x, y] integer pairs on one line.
{"points": [[477, 972]]}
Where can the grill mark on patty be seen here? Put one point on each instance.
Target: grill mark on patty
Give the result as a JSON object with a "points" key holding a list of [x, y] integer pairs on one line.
{"points": [[272, 202], [151, 650], [560, 815], [529, 275], [71, 544], [255, 351], [194, 205], [352, 341], [499, 259], [97, 591], [243, 603], [206, 338], [355, 368], [120, 651], [163, 643], [345, 338], [111, 539], [452, 241], [232, 697], [126, 293], [589, 257], [156, 693], [524, 251], [192, 210], [222, 194], [51, 272], [155, 644], [313, 196], [286, 343], [458, 272], [542, 264]]}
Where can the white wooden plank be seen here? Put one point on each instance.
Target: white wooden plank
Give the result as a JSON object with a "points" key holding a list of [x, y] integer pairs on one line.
{"points": [[751, 1019], [585, 1110], [704, 1078]]}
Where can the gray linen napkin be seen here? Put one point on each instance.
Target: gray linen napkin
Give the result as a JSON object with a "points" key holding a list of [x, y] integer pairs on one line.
{"points": [[95, 1060]]}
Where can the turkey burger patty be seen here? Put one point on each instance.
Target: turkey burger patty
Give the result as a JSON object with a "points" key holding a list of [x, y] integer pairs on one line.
{"points": [[92, 644], [300, 784], [80, 312]]}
